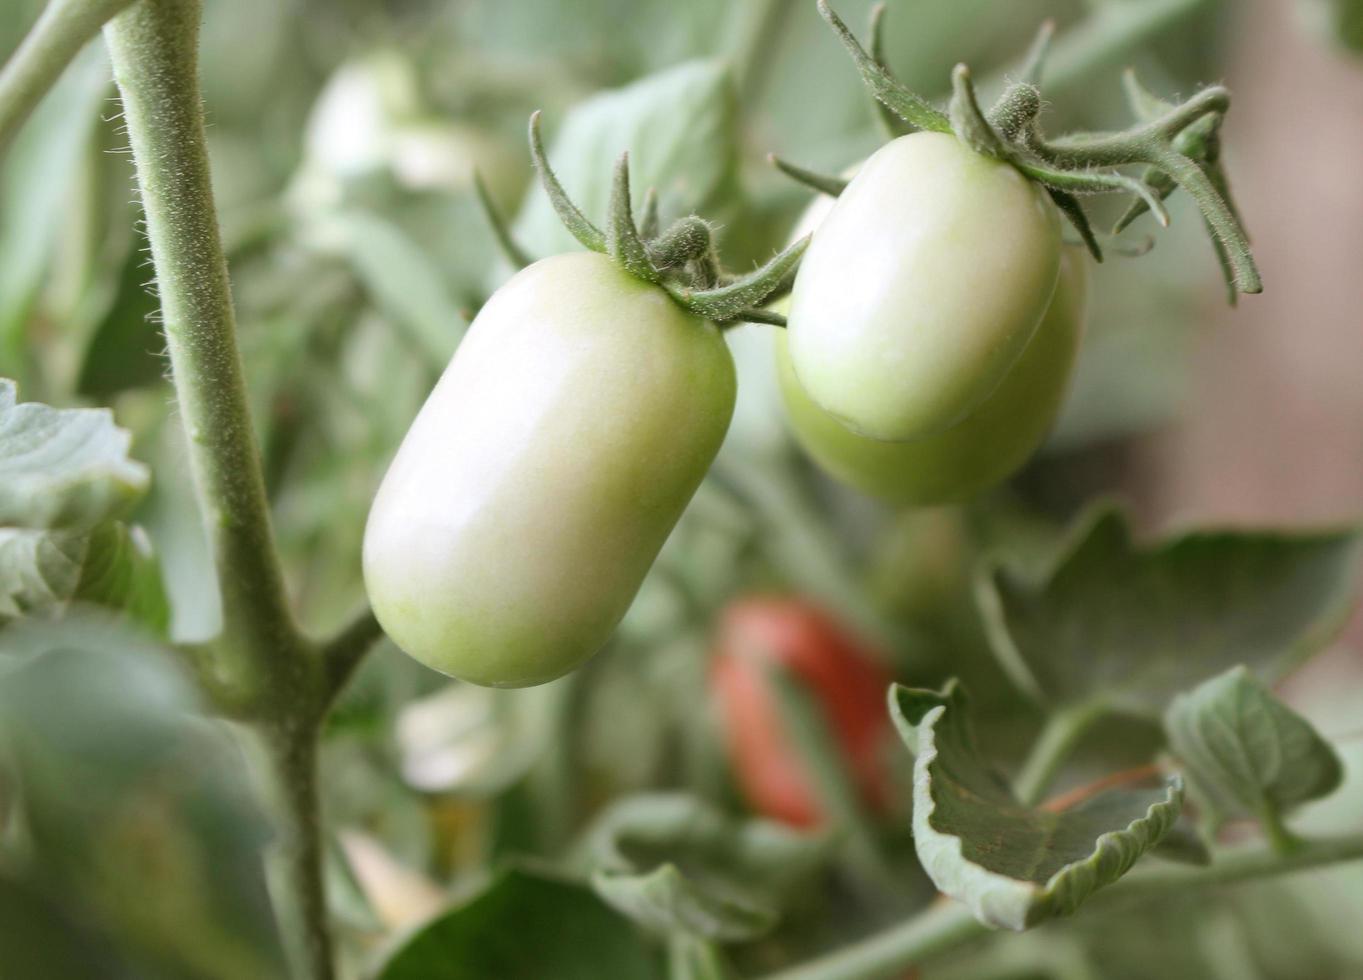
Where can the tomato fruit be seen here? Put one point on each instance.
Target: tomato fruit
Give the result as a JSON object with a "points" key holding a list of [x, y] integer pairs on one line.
{"points": [[922, 287], [846, 680], [985, 448], [539, 481]]}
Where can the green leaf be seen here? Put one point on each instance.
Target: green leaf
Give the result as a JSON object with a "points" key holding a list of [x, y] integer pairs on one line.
{"points": [[674, 864], [43, 572], [680, 128], [63, 468], [1014, 866], [64, 474], [139, 819], [1247, 753], [524, 926], [1130, 626]]}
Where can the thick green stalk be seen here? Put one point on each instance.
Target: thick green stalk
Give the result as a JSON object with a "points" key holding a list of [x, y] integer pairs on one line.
{"points": [[274, 676], [154, 51], [287, 765], [63, 28]]}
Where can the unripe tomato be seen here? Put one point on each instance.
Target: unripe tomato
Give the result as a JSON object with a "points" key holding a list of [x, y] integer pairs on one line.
{"points": [[922, 287], [975, 454], [845, 679], [544, 472]]}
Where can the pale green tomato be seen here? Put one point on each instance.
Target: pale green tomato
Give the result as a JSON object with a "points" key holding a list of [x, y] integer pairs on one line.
{"points": [[921, 287], [543, 474], [975, 454]]}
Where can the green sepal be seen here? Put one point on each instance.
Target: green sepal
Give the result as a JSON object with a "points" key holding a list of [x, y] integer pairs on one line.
{"points": [[903, 102], [649, 218], [968, 121], [823, 183], [622, 237], [590, 236], [725, 302], [511, 249], [890, 125], [1069, 206], [760, 316]]}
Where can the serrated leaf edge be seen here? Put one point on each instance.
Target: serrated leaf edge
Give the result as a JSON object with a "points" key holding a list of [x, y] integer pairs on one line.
{"points": [[1002, 902]]}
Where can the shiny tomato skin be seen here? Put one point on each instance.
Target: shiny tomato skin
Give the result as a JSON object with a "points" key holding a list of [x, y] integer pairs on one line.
{"points": [[978, 452], [847, 681], [542, 476], [921, 287]]}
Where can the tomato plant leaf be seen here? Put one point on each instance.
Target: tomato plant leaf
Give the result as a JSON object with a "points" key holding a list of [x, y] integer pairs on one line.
{"points": [[138, 813], [1132, 625], [63, 468], [43, 572], [1014, 866], [680, 129], [64, 475], [674, 864], [524, 926], [1246, 753]]}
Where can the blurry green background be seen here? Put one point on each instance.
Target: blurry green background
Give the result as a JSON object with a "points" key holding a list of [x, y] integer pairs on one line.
{"points": [[343, 136]]}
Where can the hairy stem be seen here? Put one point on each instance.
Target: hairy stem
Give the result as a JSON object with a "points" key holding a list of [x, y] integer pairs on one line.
{"points": [[288, 765], [63, 28], [154, 51], [1062, 732], [947, 926], [271, 669]]}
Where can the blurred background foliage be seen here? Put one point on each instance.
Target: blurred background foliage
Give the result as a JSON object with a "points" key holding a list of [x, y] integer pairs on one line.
{"points": [[344, 135]]}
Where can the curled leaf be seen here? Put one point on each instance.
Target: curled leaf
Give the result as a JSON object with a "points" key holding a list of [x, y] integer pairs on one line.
{"points": [[1014, 866]]}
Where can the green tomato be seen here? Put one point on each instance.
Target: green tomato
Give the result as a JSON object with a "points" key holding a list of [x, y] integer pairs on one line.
{"points": [[543, 474], [978, 452], [922, 287]]}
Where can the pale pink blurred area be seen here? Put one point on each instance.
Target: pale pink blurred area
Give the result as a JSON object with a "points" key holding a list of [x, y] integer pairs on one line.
{"points": [[1273, 426], [1272, 432]]}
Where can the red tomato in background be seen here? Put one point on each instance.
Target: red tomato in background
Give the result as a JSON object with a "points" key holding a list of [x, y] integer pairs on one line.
{"points": [[846, 679]]}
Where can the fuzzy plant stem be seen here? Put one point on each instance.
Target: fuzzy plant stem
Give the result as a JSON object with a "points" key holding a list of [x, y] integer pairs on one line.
{"points": [[280, 682], [63, 28]]}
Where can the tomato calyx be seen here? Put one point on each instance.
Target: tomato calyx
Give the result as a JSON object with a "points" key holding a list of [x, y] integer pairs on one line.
{"points": [[681, 259], [1177, 143]]}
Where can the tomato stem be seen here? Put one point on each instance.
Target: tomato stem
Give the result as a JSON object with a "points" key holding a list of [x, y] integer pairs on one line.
{"points": [[62, 29], [263, 670]]}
